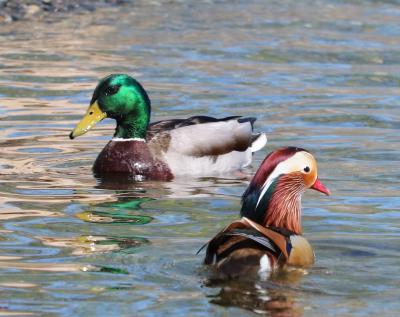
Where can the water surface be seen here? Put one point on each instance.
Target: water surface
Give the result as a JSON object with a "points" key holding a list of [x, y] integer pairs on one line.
{"points": [[323, 75]]}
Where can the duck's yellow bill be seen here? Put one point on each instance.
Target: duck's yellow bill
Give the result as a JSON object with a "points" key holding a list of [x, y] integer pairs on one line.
{"points": [[92, 116]]}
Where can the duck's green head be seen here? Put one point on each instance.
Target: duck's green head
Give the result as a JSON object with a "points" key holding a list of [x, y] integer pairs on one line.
{"points": [[122, 98]]}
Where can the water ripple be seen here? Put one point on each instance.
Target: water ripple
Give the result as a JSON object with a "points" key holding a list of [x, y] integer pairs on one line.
{"points": [[320, 75]]}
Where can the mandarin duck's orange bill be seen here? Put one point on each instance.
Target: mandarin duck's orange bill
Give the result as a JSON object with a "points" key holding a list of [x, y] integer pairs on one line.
{"points": [[269, 234]]}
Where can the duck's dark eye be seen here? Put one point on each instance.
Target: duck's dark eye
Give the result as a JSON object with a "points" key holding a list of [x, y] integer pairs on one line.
{"points": [[111, 90], [306, 169]]}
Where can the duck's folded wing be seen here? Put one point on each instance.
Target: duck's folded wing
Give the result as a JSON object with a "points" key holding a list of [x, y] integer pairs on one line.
{"points": [[212, 138], [227, 243], [256, 237], [242, 233], [167, 125]]}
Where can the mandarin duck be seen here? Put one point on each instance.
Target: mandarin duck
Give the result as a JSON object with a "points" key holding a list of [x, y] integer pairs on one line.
{"points": [[269, 234], [199, 145]]}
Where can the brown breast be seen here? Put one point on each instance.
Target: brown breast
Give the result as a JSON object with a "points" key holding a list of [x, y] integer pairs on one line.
{"points": [[130, 158]]}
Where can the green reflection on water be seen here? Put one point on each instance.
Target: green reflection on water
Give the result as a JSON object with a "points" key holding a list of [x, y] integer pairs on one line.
{"points": [[117, 212]]}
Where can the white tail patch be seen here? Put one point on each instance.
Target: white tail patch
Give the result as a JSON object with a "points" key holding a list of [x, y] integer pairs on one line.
{"points": [[265, 267], [259, 143]]}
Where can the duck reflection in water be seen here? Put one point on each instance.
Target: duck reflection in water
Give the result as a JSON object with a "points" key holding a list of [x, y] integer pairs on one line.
{"points": [[180, 187], [124, 210], [275, 297], [120, 212]]}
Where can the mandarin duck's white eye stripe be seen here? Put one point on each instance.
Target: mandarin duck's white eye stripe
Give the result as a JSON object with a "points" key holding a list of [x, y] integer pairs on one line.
{"points": [[293, 164], [279, 170]]}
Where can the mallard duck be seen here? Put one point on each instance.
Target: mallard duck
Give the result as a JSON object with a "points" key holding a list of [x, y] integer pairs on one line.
{"points": [[269, 234], [199, 145]]}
